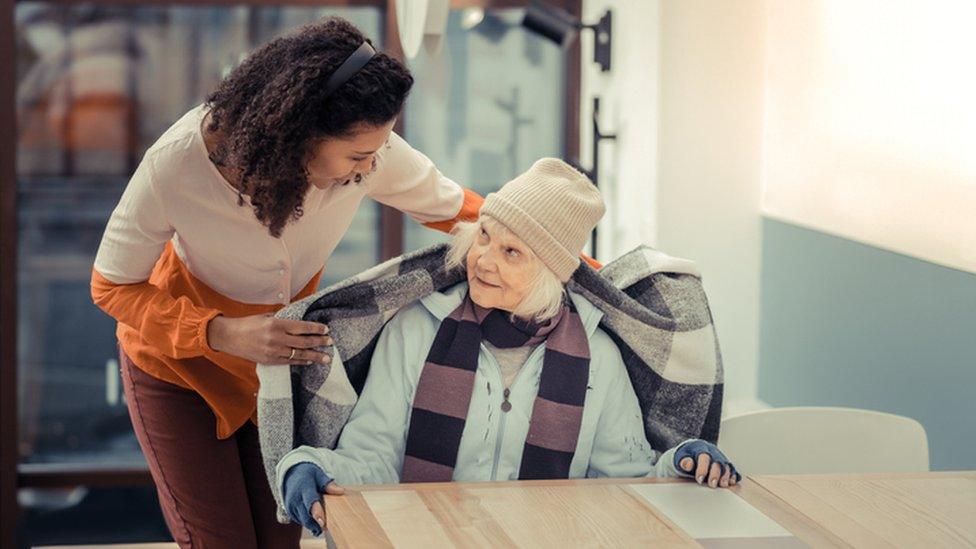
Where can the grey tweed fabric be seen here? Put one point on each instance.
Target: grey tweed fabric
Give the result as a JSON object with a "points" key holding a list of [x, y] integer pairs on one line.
{"points": [[654, 308]]}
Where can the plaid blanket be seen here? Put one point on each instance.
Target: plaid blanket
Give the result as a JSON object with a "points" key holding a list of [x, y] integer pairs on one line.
{"points": [[654, 308]]}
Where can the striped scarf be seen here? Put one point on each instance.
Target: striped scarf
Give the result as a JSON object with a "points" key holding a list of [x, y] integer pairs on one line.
{"points": [[440, 405]]}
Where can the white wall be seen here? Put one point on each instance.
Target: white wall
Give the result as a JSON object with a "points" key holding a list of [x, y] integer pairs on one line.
{"points": [[629, 108], [884, 98], [685, 98]]}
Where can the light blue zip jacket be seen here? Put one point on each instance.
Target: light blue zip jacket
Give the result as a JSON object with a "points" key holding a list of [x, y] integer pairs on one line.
{"points": [[371, 447]]}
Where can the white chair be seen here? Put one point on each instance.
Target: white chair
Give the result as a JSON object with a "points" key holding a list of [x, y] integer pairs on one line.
{"points": [[815, 440]]}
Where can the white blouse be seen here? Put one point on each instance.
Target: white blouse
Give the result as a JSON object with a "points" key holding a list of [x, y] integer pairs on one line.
{"points": [[177, 194]]}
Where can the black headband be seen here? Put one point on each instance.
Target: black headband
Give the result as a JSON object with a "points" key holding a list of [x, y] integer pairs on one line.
{"points": [[349, 67]]}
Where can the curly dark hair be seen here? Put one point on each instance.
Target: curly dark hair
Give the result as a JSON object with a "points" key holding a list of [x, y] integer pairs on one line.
{"points": [[272, 109]]}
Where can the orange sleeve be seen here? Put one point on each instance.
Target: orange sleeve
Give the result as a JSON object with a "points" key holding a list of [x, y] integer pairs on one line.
{"points": [[591, 262], [469, 212], [175, 326]]}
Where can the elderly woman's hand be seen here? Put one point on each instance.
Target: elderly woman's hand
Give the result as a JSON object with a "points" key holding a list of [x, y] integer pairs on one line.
{"points": [[304, 485], [712, 466]]}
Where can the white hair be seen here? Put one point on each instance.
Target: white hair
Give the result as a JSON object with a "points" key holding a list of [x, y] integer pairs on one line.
{"points": [[544, 299]]}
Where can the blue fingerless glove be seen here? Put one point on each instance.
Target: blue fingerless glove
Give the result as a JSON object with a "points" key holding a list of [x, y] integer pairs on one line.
{"points": [[304, 485], [694, 448]]}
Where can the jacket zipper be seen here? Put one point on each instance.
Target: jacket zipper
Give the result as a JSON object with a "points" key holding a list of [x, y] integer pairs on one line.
{"points": [[498, 446], [501, 420], [506, 407]]}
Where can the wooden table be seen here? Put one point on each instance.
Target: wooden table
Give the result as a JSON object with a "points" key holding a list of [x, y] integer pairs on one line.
{"points": [[874, 510], [900, 510]]}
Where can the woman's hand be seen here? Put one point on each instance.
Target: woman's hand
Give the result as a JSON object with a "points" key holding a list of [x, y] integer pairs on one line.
{"points": [[304, 485], [269, 340], [712, 465]]}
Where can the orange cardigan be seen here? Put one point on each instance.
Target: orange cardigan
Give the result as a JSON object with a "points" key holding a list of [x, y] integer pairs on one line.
{"points": [[167, 338]]}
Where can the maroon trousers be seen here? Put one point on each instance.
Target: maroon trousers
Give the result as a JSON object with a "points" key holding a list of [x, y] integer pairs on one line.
{"points": [[214, 493]]}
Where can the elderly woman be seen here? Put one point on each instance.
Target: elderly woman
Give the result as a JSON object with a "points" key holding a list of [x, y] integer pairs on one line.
{"points": [[506, 376]]}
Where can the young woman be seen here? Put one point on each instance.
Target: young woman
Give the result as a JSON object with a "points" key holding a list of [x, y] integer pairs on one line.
{"points": [[231, 215]]}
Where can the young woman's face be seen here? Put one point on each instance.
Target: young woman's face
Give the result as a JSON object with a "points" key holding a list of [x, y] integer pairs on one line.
{"points": [[500, 268], [337, 160]]}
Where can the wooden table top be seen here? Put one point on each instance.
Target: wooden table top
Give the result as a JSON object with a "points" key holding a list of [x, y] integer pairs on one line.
{"points": [[907, 510], [781, 511], [876, 510]]}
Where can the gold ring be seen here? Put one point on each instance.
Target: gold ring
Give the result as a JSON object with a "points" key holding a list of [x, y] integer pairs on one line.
{"points": [[292, 355]]}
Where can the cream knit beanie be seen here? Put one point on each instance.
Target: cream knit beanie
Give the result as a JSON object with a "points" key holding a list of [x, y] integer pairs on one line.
{"points": [[553, 209]]}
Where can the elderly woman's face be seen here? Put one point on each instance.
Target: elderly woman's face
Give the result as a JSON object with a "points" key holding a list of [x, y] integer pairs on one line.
{"points": [[500, 268]]}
